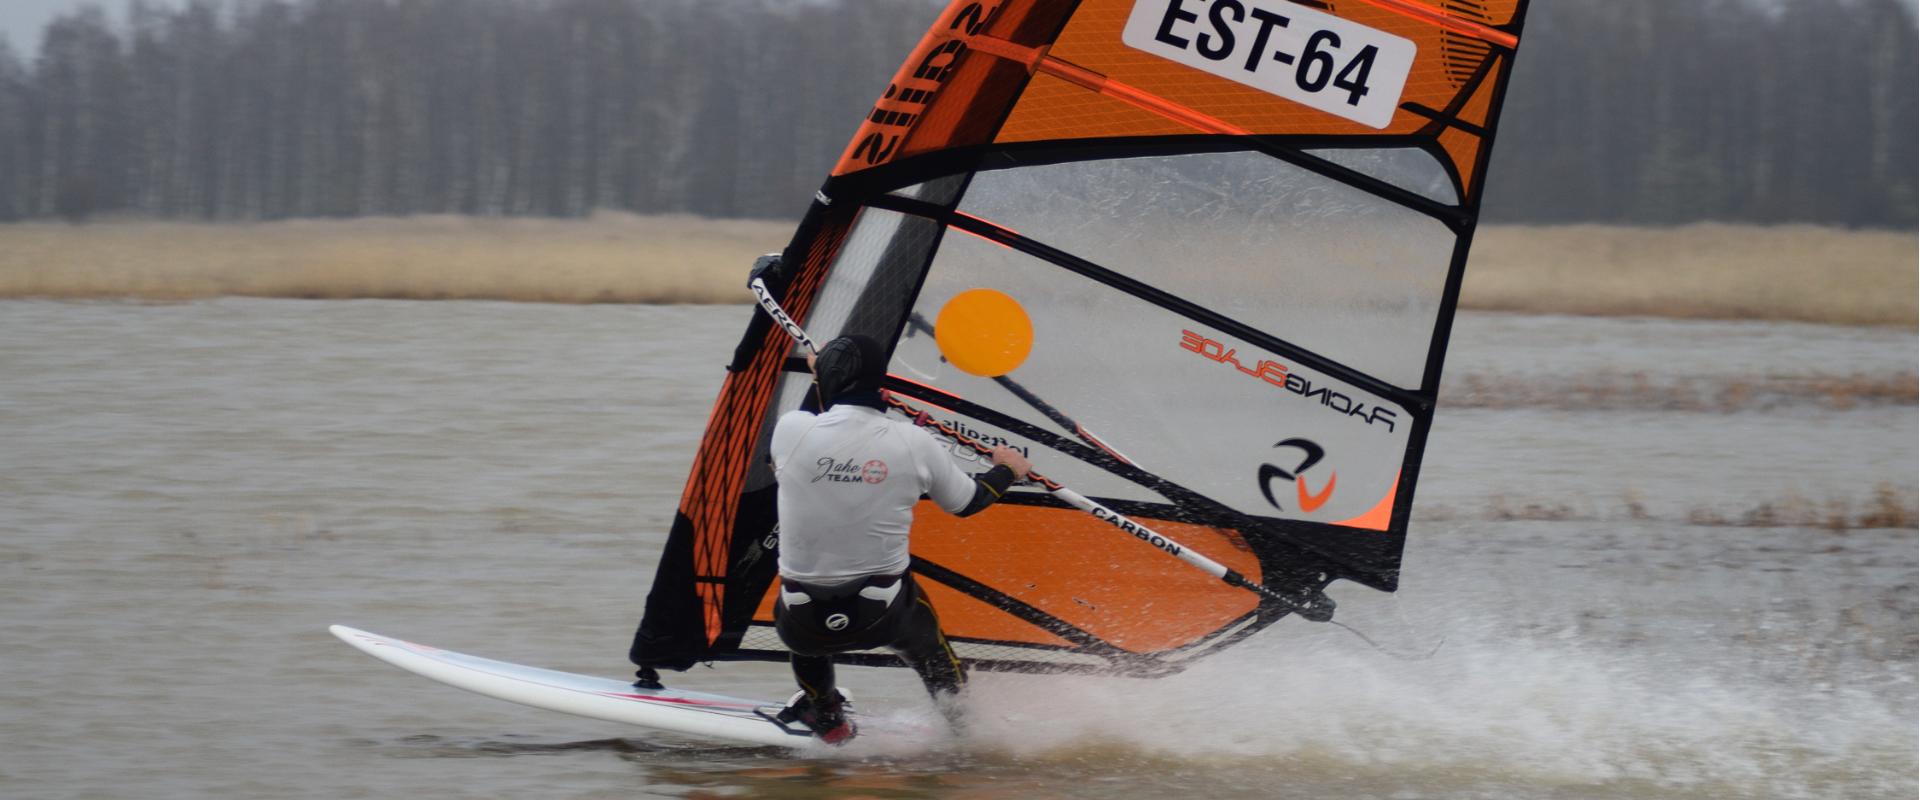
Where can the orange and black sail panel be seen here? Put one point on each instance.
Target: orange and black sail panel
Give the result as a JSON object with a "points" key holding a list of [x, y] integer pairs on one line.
{"points": [[1199, 259]]}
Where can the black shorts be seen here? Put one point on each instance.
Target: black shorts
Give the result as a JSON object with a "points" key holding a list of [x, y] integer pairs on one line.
{"points": [[816, 620]]}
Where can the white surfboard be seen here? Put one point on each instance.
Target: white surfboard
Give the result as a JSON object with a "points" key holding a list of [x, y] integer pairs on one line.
{"points": [[699, 714]]}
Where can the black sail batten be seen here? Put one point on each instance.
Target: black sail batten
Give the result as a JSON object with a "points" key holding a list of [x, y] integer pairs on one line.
{"points": [[1285, 543], [917, 324], [1450, 302], [1293, 150], [1159, 297], [1444, 118], [1008, 603]]}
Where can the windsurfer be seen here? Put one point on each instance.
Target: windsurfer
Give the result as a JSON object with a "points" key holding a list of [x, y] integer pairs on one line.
{"points": [[849, 477]]}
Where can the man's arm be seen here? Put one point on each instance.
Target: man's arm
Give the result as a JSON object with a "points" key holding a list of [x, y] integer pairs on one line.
{"points": [[988, 488], [965, 495]]}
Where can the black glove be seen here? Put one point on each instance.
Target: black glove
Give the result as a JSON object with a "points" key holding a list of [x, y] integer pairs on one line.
{"points": [[767, 268]]}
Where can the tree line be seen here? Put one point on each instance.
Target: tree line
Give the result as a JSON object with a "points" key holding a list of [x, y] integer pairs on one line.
{"points": [[1636, 111]]}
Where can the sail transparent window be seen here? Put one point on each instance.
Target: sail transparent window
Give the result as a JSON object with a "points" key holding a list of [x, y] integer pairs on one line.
{"points": [[1311, 260]]}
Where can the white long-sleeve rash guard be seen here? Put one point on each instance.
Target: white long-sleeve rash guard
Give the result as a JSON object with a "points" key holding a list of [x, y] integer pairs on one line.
{"points": [[848, 480]]}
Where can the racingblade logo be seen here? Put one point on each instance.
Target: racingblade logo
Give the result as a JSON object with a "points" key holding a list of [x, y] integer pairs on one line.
{"points": [[1281, 48], [1280, 375]]}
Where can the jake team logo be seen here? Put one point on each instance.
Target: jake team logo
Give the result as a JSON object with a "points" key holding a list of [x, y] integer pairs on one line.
{"points": [[1310, 454], [849, 471]]}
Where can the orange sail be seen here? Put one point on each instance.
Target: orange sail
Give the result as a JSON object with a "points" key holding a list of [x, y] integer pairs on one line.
{"points": [[1213, 253]]}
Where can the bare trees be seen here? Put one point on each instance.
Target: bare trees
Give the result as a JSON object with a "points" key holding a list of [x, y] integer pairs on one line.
{"points": [[1654, 111], [1622, 110]]}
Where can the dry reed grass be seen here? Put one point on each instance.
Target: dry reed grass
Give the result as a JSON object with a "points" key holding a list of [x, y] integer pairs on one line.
{"points": [[1889, 507], [1788, 272], [1614, 391], [610, 258]]}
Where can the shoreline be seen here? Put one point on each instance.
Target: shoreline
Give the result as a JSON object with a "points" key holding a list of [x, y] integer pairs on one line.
{"points": [[1701, 271]]}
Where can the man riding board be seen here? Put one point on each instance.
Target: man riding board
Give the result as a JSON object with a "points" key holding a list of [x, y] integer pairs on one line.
{"points": [[849, 477]]}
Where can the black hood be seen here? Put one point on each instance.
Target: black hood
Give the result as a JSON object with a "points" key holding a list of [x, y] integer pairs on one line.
{"points": [[848, 366]]}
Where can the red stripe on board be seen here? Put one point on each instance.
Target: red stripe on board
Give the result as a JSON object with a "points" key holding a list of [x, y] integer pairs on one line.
{"points": [[684, 701]]}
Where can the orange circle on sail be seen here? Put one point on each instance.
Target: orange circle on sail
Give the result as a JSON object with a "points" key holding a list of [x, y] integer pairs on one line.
{"points": [[984, 332]]}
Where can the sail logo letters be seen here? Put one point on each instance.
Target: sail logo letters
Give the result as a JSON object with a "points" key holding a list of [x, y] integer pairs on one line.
{"points": [[1101, 513], [906, 99], [848, 471], [1280, 47], [1276, 373], [962, 451]]}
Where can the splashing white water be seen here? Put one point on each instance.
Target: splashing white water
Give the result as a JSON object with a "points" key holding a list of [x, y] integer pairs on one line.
{"points": [[1511, 711]]}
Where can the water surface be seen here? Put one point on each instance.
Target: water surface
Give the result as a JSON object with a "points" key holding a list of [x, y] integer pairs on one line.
{"points": [[194, 491]]}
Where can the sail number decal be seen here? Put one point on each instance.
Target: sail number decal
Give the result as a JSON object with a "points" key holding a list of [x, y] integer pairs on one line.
{"points": [[1307, 56]]}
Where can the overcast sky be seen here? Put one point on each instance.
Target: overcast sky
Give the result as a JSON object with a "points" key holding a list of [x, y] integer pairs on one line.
{"points": [[22, 20]]}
